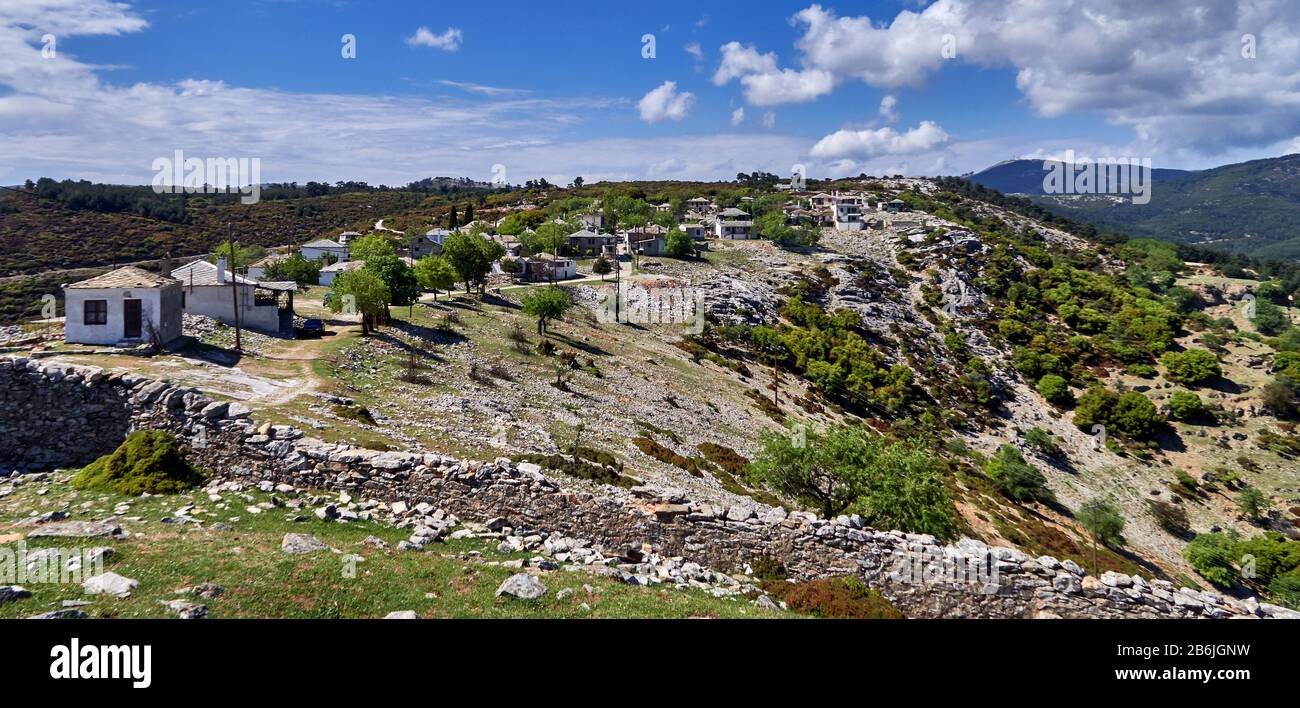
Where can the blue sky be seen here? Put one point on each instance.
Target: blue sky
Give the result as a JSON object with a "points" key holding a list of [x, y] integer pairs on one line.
{"points": [[563, 89]]}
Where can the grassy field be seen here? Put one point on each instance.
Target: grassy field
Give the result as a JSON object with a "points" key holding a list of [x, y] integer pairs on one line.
{"points": [[456, 579]]}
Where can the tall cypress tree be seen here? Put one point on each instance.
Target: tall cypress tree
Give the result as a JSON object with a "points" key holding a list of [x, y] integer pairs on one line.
{"points": [[451, 219]]}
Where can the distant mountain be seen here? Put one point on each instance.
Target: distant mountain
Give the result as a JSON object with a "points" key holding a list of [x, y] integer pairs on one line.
{"points": [[1252, 207], [1026, 176]]}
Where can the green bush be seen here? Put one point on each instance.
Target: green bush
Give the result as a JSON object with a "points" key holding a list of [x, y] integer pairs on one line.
{"points": [[1055, 389], [1016, 478], [1186, 406], [1285, 590], [1252, 503], [148, 461], [1170, 517], [1192, 367], [834, 598], [1211, 554], [892, 484], [1042, 441], [1128, 413]]}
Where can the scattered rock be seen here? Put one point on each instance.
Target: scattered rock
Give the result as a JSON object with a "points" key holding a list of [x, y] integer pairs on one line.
{"points": [[185, 610], [301, 543], [109, 584], [522, 586], [401, 615]]}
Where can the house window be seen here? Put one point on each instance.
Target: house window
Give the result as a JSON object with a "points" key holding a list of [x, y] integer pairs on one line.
{"points": [[96, 312]]}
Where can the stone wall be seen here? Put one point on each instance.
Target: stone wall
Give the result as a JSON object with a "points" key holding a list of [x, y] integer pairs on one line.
{"points": [[52, 419], [920, 576]]}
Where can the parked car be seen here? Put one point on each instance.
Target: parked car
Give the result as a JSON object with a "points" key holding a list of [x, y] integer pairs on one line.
{"points": [[311, 328]]}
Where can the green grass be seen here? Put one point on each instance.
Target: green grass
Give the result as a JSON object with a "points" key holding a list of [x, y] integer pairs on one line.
{"points": [[452, 580]]}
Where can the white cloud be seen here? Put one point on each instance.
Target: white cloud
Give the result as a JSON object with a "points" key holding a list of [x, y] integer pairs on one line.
{"points": [[481, 89], [882, 141], [738, 61], [766, 84], [738, 116], [694, 50], [1170, 71], [769, 120], [889, 109], [448, 41], [665, 103]]}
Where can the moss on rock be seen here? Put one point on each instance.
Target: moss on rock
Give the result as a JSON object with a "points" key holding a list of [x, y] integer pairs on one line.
{"points": [[147, 461]]}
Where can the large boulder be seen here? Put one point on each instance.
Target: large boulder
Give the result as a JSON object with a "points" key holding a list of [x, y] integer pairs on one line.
{"points": [[522, 586]]}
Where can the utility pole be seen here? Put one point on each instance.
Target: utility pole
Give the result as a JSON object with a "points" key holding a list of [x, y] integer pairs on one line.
{"points": [[234, 286], [618, 283]]}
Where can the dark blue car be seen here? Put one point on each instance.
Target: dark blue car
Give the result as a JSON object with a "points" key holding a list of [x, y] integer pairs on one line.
{"points": [[311, 328]]}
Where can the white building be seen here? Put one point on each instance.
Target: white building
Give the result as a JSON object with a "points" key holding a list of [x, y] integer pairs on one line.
{"points": [[210, 290], [429, 244], [848, 212], [128, 306], [697, 232], [334, 270], [733, 225], [546, 268], [317, 250]]}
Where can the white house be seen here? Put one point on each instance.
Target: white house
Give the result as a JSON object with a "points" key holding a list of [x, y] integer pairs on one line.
{"points": [[333, 270], [127, 306], [733, 224], [257, 269], [546, 267], [210, 290], [848, 212], [317, 250], [697, 232]]}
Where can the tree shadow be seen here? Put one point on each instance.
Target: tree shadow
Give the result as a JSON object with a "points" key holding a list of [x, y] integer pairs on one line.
{"points": [[580, 346], [425, 334]]}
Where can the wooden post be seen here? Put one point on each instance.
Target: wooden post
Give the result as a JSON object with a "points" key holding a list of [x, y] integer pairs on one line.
{"points": [[234, 286]]}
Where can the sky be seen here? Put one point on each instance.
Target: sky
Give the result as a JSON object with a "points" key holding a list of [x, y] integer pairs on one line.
{"points": [[390, 92]]}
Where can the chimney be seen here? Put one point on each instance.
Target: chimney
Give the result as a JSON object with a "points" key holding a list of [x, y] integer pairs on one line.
{"points": [[221, 270], [165, 266]]}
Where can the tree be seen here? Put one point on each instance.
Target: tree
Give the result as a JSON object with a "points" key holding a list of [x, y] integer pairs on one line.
{"points": [[1102, 520], [546, 304], [1015, 477], [1211, 555], [469, 213], [295, 268], [1252, 503], [1055, 389], [365, 290], [1269, 318], [577, 182], [403, 288], [452, 222], [680, 244], [370, 247], [471, 255], [891, 483], [1192, 367], [601, 267], [1186, 406], [435, 273], [1129, 413]]}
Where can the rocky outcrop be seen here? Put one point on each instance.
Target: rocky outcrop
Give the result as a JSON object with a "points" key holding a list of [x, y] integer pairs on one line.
{"points": [[922, 577]]}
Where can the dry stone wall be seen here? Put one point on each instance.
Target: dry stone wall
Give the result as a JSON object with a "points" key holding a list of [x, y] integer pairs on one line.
{"points": [[920, 576]]}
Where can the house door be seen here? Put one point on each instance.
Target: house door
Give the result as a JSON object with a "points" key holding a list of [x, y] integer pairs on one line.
{"points": [[132, 319]]}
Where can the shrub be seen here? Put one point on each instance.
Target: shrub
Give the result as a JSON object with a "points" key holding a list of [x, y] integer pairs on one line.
{"points": [[148, 461], [1192, 367], [1252, 503], [1211, 555], [1285, 590], [1042, 441], [834, 598], [1170, 517], [1016, 478], [1055, 389], [1185, 406], [1129, 413]]}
